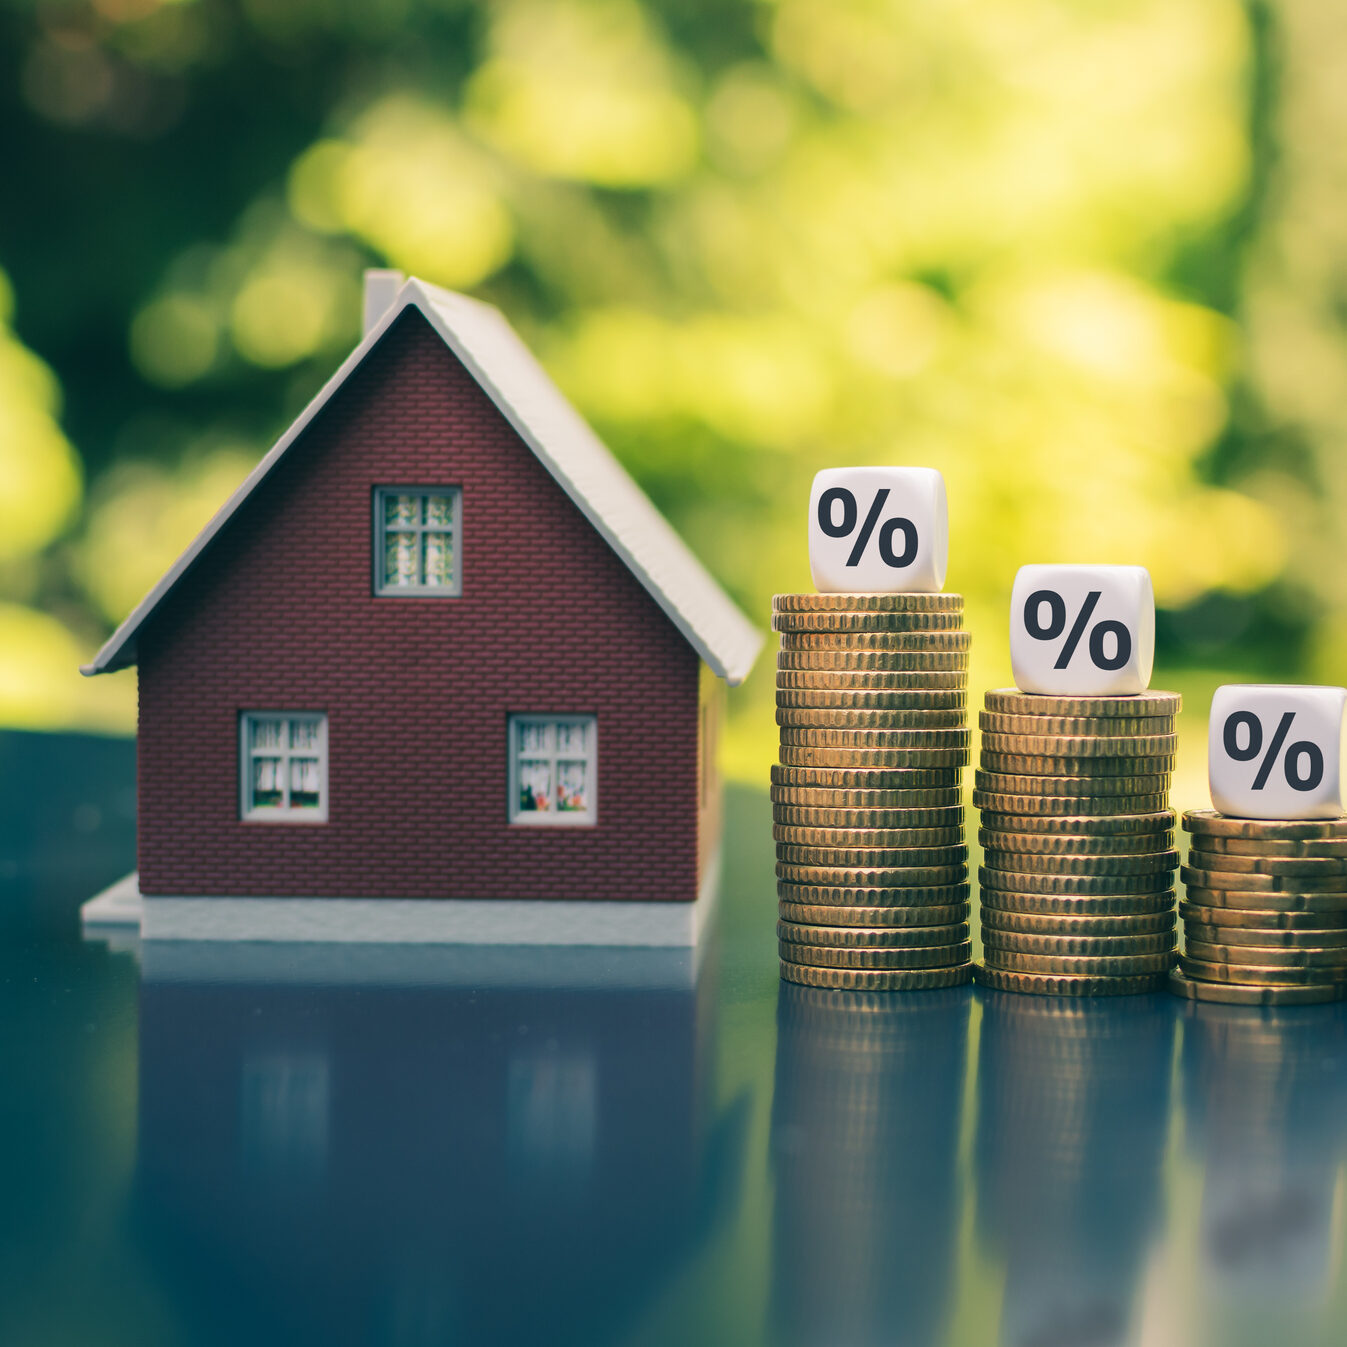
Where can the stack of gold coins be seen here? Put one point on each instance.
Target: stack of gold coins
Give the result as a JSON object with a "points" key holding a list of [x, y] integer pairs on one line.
{"points": [[872, 862], [1077, 895], [1265, 916]]}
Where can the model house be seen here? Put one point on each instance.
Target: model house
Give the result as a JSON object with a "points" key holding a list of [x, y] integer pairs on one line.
{"points": [[439, 662]]}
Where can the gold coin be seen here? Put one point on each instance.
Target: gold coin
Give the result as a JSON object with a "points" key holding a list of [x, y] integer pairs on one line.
{"points": [[1289, 830], [1083, 885], [1076, 844], [840, 623], [849, 857], [802, 836], [864, 624], [856, 895], [1081, 927], [1229, 880], [872, 937], [1245, 846], [1021, 764], [824, 956], [1301, 956], [1011, 866], [1087, 787], [1054, 807], [872, 877], [1256, 975], [1042, 985], [1225, 994], [877, 980], [853, 819], [849, 718], [922, 701], [1055, 965], [1078, 905], [992, 722], [866, 801], [1090, 825], [928, 682], [867, 601], [1075, 946], [935, 668], [1320, 867], [850, 738], [914, 919], [866, 778], [1261, 900], [1011, 701], [1317, 937], [929, 640], [852, 759], [1262, 919], [1126, 748]]}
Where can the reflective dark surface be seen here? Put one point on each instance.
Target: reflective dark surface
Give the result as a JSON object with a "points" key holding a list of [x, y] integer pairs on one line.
{"points": [[260, 1144]]}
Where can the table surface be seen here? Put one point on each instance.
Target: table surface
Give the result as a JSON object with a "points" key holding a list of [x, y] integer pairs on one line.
{"points": [[428, 1146]]}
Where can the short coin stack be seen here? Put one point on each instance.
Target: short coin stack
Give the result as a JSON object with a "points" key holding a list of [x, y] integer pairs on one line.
{"points": [[872, 861], [1077, 894], [1265, 916]]}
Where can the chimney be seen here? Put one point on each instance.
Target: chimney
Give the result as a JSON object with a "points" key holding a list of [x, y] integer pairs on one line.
{"points": [[381, 289]]}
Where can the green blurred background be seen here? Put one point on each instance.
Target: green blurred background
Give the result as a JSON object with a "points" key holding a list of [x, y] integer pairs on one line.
{"points": [[1086, 259]]}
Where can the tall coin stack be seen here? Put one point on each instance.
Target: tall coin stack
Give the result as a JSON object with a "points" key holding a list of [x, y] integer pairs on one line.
{"points": [[872, 862], [1077, 895], [1265, 916]]}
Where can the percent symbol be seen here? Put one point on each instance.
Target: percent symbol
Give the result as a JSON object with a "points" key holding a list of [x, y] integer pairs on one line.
{"points": [[1302, 748], [1056, 625], [842, 528]]}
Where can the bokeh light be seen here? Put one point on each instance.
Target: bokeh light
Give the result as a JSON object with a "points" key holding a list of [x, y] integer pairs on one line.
{"points": [[1084, 260]]}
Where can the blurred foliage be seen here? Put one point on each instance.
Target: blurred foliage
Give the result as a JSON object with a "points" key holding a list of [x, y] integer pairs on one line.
{"points": [[1087, 260]]}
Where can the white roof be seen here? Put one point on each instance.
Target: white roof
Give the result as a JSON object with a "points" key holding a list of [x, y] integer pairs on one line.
{"points": [[584, 467]]}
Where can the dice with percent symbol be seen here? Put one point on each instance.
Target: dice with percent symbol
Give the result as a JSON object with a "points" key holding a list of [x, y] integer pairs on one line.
{"points": [[1082, 631], [1274, 751], [875, 530]]}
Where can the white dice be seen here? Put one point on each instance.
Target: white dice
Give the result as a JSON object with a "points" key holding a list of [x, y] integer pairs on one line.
{"points": [[878, 530], [1083, 631], [1275, 751]]}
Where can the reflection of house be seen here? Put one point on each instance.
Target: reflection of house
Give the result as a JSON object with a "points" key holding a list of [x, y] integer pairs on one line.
{"points": [[437, 646], [404, 1163]]}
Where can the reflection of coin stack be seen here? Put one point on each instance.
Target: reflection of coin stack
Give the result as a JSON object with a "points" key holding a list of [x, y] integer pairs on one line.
{"points": [[1266, 1120], [1077, 893], [865, 1141], [1073, 1101], [872, 865], [1265, 921]]}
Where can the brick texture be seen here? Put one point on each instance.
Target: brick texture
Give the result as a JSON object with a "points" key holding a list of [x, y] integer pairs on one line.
{"points": [[280, 615]]}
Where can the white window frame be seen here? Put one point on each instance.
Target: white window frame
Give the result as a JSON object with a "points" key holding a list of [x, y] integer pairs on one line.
{"points": [[384, 590], [267, 813], [552, 818]]}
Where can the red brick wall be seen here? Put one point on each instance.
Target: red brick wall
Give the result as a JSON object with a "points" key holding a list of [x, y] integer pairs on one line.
{"points": [[280, 616]]}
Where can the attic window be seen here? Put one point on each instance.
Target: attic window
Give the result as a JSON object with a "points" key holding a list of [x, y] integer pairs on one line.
{"points": [[416, 541]]}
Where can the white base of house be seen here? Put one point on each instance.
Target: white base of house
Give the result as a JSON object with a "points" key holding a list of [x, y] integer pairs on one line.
{"points": [[122, 910]]}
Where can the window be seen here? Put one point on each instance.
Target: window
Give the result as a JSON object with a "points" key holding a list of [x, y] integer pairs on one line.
{"points": [[416, 538], [283, 764], [552, 769]]}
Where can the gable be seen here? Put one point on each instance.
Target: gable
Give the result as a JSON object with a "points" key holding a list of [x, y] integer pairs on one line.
{"points": [[510, 376]]}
